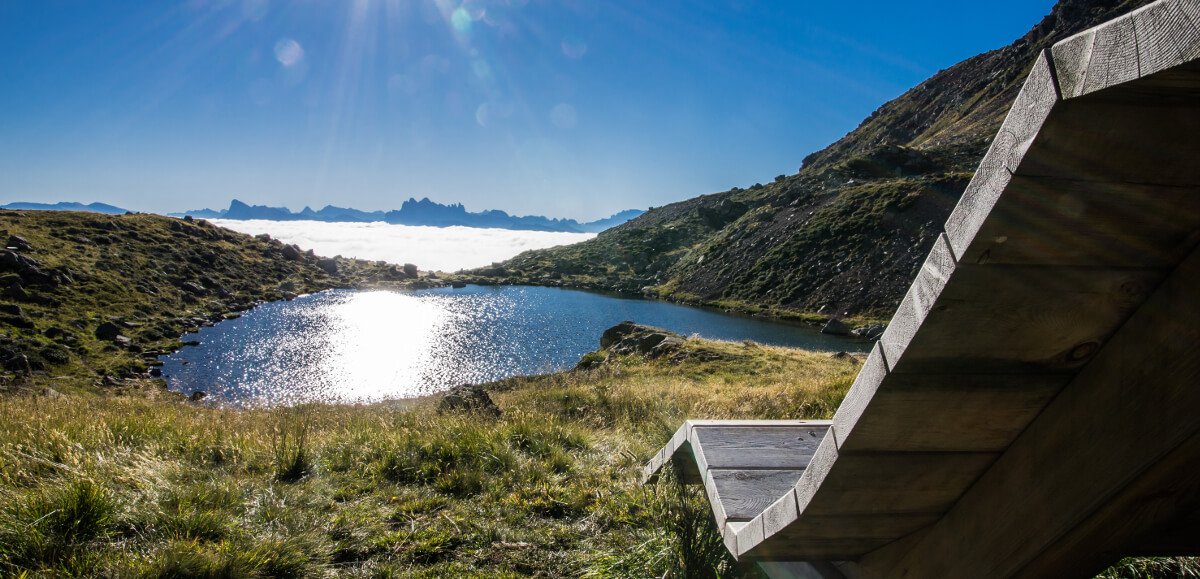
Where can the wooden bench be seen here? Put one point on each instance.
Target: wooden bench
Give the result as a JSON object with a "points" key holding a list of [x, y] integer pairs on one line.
{"points": [[1033, 408]]}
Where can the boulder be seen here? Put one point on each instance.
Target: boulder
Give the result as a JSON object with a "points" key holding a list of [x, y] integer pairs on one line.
{"points": [[836, 327], [869, 331], [193, 288], [631, 338], [292, 252], [328, 265], [19, 243], [198, 395], [410, 270], [108, 331], [469, 398]]}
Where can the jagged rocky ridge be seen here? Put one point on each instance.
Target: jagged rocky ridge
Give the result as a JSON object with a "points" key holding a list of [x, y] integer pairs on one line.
{"points": [[414, 212], [843, 236]]}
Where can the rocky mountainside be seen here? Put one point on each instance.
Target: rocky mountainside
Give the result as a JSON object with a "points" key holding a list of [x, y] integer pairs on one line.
{"points": [[843, 236]]}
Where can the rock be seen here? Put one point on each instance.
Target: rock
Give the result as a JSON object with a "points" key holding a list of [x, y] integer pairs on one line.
{"points": [[27, 268], [123, 341], [469, 398], [292, 252], [193, 288], [287, 287], [328, 265], [12, 310], [869, 331], [631, 338], [108, 331], [198, 395], [410, 270], [458, 285], [19, 243], [51, 393], [156, 372], [836, 327]]}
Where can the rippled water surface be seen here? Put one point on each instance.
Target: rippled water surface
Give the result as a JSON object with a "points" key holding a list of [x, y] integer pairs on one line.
{"points": [[370, 345]]}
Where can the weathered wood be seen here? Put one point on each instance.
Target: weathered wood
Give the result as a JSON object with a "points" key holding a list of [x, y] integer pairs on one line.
{"points": [[1037, 98], [1149, 517], [810, 537], [1125, 412], [1117, 136], [866, 384], [1071, 58], [908, 483], [1046, 221], [919, 300], [763, 447], [1114, 56], [1166, 37], [1037, 319], [949, 413], [744, 494]]}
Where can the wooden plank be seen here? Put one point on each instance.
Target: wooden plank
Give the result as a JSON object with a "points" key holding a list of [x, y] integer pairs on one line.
{"points": [[744, 494], [919, 300], [1166, 37], [1126, 411], [1037, 319], [905, 483], [744, 447], [1149, 517], [870, 376], [1114, 56], [957, 413], [1038, 96], [1047, 221], [1118, 136], [1071, 58]]}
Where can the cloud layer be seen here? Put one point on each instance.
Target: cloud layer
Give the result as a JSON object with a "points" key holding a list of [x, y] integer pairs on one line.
{"points": [[431, 248]]}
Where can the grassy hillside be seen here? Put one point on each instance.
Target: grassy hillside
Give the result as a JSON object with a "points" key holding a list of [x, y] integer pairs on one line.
{"points": [[848, 231], [90, 300], [107, 485]]}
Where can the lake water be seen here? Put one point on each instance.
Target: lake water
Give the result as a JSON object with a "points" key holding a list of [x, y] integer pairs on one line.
{"points": [[359, 346]]}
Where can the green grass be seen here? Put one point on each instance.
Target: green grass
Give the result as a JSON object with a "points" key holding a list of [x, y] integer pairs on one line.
{"points": [[133, 485]]}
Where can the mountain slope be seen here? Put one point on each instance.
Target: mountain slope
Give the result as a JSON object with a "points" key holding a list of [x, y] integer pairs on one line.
{"points": [[846, 234]]}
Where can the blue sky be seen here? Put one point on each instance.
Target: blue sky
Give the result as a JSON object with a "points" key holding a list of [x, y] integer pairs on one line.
{"points": [[568, 108]]}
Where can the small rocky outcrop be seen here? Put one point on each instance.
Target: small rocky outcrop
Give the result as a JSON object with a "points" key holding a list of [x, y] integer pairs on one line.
{"points": [[836, 327], [410, 270], [328, 265], [108, 331], [468, 398], [292, 252], [18, 243], [632, 338], [869, 331]]}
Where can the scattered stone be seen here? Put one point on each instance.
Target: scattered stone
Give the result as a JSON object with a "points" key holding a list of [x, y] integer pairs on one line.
{"points": [[108, 331], [12, 310], [840, 355], [328, 265], [292, 252], [836, 327], [410, 270], [193, 288], [198, 395], [19, 243], [869, 331], [123, 341], [156, 372], [469, 398], [458, 285], [51, 393]]}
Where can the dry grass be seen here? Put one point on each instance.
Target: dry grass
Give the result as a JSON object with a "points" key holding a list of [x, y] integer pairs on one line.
{"points": [[109, 485]]}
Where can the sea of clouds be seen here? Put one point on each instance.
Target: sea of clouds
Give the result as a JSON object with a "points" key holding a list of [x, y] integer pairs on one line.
{"points": [[431, 248]]}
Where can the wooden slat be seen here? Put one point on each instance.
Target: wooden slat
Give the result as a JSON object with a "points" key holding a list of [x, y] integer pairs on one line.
{"points": [[1125, 412], [1045, 221], [744, 494], [868, 484], [809, 536], [1114, 56], [919, 300], [1023, 319], [950, 413], [1037, 98], [1166, 37], [743, 447], [861, 393], [1071, 58]]}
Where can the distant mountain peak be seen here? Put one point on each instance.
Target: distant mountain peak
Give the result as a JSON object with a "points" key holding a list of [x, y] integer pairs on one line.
{"points": [[413, 212]]}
